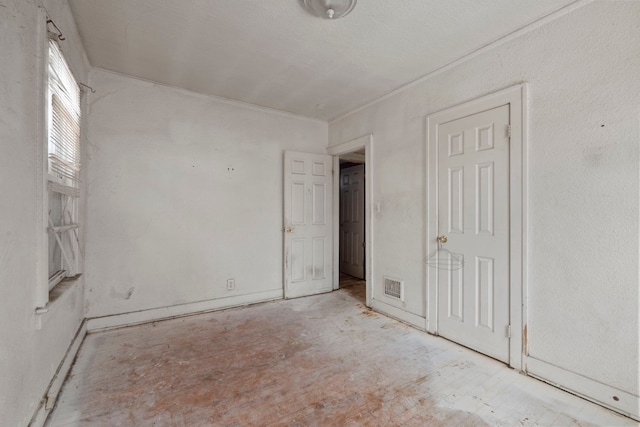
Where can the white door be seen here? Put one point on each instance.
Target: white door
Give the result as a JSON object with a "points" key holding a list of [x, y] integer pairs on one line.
{"points": [[308, 224], [352, 243], [473, 214]]}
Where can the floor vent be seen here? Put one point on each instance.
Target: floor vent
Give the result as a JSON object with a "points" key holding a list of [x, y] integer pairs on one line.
{"points": [[394, 288]]}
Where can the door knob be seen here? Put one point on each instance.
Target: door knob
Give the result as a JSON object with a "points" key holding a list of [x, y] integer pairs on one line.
{"points": [[441, 239], [288, 229]]}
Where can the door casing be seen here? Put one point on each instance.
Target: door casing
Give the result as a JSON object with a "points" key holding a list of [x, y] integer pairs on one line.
{"points": [[515, 96], [366, 142]]}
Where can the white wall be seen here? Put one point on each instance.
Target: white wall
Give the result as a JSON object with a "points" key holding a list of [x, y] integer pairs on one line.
{"points": [[582, 72], [28, 357], [185, 192]]}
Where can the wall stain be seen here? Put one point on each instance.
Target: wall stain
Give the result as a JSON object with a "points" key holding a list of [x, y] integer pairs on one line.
{"points": [[121, 295]]}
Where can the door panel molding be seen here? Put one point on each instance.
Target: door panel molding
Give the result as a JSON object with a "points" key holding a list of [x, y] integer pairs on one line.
{"points": [[515, 97], [485, 280], [307, 224], [352, 221]]}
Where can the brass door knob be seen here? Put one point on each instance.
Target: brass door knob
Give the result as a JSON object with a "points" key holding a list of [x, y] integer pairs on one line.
{"points": [[288, 229], [441, 239]]}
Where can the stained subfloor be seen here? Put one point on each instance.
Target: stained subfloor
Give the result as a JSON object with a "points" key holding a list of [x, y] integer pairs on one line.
{"points": [[324, 360]]}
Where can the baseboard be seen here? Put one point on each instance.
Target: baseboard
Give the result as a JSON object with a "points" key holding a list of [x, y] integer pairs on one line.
{"points": [[626, 404], [163, 313], [48, 400], [398, 314]]}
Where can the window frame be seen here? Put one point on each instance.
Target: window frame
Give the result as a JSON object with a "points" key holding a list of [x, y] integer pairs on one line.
{"points": [[65, 228]]}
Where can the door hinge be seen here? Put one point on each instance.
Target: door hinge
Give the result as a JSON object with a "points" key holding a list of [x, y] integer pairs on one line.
{"points": [[508, 131], [508, 331]]}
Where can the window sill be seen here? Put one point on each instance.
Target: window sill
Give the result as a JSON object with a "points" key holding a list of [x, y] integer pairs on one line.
{"points": [[56, 296]]}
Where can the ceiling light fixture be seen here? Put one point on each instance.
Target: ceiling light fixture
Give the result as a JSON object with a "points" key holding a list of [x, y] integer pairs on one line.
{"points": [[329, 9]]}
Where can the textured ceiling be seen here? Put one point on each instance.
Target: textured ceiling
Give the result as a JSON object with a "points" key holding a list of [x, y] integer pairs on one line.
{"points": [[274, 54]]}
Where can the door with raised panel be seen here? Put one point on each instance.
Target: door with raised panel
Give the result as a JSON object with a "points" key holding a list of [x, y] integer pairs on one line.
{"points": [[473, 215], [352, 244], [308, 224]]}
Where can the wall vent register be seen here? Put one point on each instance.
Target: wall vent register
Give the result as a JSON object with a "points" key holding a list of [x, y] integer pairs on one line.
{"points": [[394, 288]]}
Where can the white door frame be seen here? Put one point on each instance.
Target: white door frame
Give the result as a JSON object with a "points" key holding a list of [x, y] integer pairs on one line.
{"points": [[515, 96], [366, 142]]}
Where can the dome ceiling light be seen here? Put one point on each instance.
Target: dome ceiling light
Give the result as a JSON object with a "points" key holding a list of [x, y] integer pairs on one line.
{"points": [[329, 9]]}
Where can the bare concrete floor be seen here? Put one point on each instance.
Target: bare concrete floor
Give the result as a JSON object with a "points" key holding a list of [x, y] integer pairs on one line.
{"points": [[324, 360]]}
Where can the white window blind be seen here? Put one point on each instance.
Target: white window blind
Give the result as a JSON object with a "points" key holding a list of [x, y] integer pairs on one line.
{"points": [[64, 123], [63, 168]]}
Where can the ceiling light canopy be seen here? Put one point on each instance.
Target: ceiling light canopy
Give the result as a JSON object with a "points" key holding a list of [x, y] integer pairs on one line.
{"points": [[329, 9]]}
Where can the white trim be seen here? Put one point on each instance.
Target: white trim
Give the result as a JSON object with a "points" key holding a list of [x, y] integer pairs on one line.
{"points": [[366, 142], [602, 394], [398, 314], [220, 99], [336, 223], [498, 42], [42, 192], [516, 97], [163, 313], [58, 294], [353, 157], [51, 394], [351, 145]]}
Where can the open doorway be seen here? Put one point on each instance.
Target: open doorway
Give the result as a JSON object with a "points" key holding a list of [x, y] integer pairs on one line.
{"points": [[352, 217], [352, 240]]}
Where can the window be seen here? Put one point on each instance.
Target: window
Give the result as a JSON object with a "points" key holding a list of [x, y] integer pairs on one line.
{"points": [[63, 191]]}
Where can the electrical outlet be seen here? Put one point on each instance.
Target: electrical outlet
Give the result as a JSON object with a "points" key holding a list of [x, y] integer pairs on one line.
{"points": [[231, 284]]}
